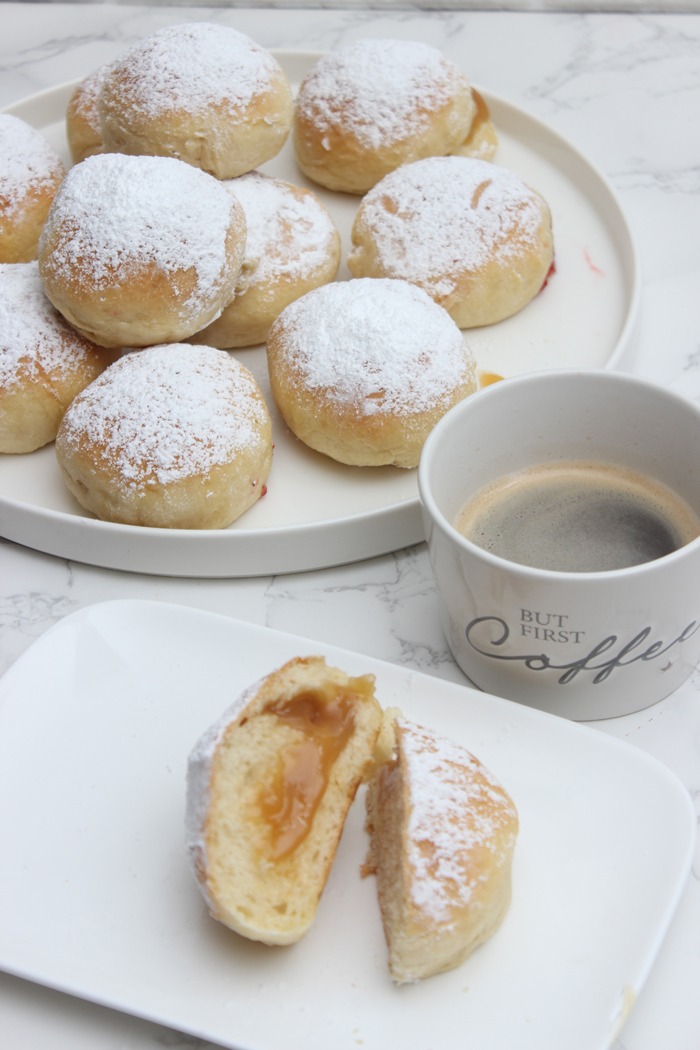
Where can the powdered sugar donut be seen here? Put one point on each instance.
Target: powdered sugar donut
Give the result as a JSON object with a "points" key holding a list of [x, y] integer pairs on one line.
{"points": [[482, 140], [372, 105], [292, 246], [173, 436], [44, 363], [470, 233], [200, 92], [83, 125], [363, 370], [141, 250], [443, 833], [30, 174], [269, 787]]}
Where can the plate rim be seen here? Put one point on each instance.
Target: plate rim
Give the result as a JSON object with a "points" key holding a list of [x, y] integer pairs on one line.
{"points": [[307, 545]]}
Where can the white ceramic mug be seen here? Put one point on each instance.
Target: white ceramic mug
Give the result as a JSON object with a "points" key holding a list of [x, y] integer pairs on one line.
{"points": [[583, 645]]}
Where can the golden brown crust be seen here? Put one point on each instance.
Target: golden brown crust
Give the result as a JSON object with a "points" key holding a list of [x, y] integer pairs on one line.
{"points": [[30, 175], [443, 833], [482, 140], [476, 238], [44, 364], [83, 128], [373, 105], [203, 93], [362, 370], [292, 246], [169, 437], [140, 250]]}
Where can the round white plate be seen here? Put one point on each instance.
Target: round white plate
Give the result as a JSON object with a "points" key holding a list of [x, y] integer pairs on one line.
{"points": [[317, 512]]}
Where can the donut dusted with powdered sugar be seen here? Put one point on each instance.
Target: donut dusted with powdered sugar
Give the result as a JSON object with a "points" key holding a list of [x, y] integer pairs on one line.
{"points": [[362, 370], [83, 125], [173, 436], [141, 250], [292, 246], [473, 235], [204, 93], [269, 787], [44, 363], [442, 838], [367, 107], [30, 173]]}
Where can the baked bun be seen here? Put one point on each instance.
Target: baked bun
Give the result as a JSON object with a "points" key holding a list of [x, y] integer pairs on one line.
{"points": [[268, 789], [200, 92], [173, 436], [140, 250], [475, 237], [292, 246], [83, 126], [482, 140], [30, 174], [43, 362], [363, 370], [442, 837], [370, 106]]}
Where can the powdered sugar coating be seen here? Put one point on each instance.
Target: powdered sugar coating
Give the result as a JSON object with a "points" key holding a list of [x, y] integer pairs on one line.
{"points": [[115, 214], [199, 767], [35, 341], [456, 806], [83, 123], [379, 90], [27, 161], [436, 219], [290, 233], [192, 66], [87, 96], [167, 413], [380, 345]]}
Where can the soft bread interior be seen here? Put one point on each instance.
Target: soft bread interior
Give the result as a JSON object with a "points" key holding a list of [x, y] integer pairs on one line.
{"points": [[268, 793], [269, 789]]}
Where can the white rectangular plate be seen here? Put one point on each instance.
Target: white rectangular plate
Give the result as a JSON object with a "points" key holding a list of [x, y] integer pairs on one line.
{"points": [[96, 721]]}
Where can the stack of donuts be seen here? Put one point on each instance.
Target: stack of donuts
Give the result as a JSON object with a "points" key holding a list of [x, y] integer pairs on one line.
{"points": [[134, 274]]}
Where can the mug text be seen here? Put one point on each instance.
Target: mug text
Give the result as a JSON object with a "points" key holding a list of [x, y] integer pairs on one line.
{"points": [[602, 659]]}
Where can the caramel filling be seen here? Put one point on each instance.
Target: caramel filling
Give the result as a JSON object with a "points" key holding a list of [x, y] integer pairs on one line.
{"points": [[325, 718], [487, 378]]}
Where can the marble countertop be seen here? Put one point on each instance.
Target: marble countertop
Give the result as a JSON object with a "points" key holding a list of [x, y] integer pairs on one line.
{"points": [[625, 89]]}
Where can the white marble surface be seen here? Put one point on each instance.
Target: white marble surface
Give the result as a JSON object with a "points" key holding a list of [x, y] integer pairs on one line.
{"points": [[625, 89]]}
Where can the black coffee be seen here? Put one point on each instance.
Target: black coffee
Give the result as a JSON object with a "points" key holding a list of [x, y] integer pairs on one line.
{"points": [[578, 517]]}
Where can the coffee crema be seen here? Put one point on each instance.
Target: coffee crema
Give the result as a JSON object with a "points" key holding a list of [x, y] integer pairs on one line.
{"points": [[578, 516]]}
